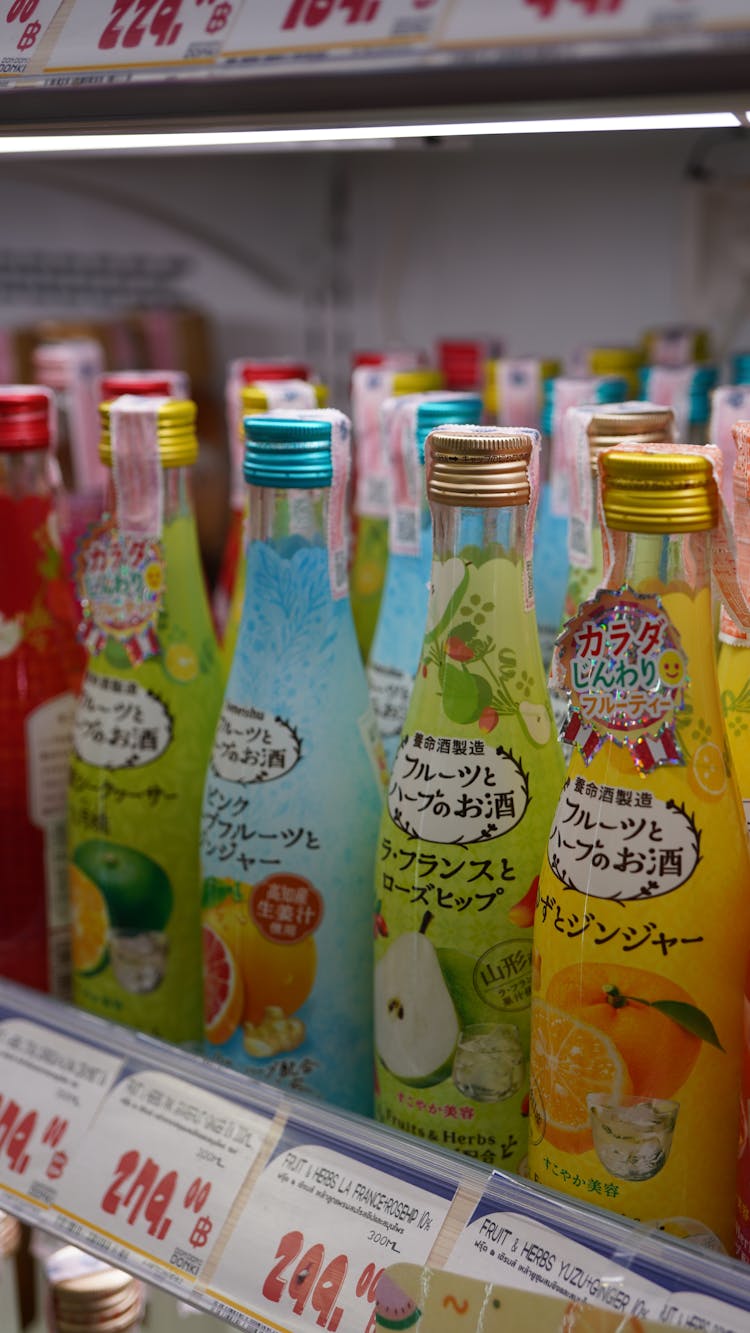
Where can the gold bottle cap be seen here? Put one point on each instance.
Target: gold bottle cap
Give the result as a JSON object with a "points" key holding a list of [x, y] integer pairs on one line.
{"points": [[479, 466], [658, 492], [178, 442], [89, 1296], [622, 424]]}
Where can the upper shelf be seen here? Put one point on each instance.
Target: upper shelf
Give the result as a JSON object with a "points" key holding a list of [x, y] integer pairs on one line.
{"points": [[97, 61]]}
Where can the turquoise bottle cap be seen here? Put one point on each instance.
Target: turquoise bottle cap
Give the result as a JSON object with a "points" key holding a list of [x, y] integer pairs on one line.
{"points": [[740, 372], [288, 452], [463, 409]]}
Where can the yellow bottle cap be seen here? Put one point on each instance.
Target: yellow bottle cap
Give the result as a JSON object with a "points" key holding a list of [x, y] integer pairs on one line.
{"points": [[417, 381], [178, 442], [658, 492], [478, 466], [89, 1294]]}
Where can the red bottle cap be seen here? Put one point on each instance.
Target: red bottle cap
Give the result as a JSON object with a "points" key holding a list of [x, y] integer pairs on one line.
{"points": [[253, 371], [25, 417], [367, 359], [462, 360], [139, 382]]}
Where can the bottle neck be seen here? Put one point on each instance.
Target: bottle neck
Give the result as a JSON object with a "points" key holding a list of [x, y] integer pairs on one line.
{"points": [[288, 518], [664, 559], [178, 494], [25, 472], [457, 529]]}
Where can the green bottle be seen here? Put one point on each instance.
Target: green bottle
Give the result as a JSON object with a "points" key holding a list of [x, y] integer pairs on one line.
{"points": [[473, 789], [143, 732]]}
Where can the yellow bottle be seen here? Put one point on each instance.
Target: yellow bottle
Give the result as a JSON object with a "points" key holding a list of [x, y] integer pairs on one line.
{"points": [[640, 940]]}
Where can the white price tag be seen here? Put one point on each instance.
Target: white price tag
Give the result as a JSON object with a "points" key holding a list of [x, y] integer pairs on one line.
{"points": [[50, 1090], [321, 1228], [23, 24], [300, 25], [103, 34], [164, 1163], [472, 22], [515, 1251]]}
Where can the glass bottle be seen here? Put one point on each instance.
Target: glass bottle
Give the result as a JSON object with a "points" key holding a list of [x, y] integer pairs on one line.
{"points": [[551, 539], [734, 684], [397, 644], [72, 368], [41, 667], [143, 732], [471, 797], [592, 431], [281, 382], [371, 385], [293, 793], [283, 395], [84, 1293], [687, 390], [730, 403], [640, 941], [10, 1304]]}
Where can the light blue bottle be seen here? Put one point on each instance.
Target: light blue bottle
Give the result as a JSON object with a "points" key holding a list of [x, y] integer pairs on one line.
{"points": [[294, 790], [399, 633]]}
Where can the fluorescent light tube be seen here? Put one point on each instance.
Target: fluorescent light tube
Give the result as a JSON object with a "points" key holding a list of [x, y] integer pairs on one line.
{"points": [[161, 141]]}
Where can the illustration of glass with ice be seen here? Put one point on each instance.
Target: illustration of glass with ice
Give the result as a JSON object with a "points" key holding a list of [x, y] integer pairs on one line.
{"points": [[488, 1065], [632, 1136]]}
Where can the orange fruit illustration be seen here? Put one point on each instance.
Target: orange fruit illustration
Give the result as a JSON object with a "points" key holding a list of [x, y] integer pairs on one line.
{"points": [[90, 924], [274, 974], [707, 773], [223, 990], [569, 1059], [580, 1318], [658, 1052]]}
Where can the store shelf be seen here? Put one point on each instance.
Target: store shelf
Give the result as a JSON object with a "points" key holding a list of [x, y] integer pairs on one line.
{"points": [[90, 62], [230, 1195]]}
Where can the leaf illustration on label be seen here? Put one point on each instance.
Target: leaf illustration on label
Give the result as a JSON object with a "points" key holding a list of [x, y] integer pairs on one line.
{"points": [[253, 746], [447, 790], [689, 1017]]}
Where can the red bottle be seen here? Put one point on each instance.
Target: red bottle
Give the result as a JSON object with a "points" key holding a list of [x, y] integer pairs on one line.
{"points": [[41, 666]]}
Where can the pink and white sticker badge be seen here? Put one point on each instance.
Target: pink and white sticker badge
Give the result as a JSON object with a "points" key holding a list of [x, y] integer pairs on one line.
{"points": [[729, 404], [670, 386]]}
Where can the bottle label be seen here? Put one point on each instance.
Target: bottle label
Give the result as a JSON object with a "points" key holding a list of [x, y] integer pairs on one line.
{"points": [[469, 804], [49, 734], [121, 580], [626, 674], [370, 388], [119, 724], [290, 812], [519, 391], [390, 691], [640, 954], [142, 742]]}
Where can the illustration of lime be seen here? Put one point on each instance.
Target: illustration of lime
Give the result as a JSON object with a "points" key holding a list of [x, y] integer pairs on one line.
{"points": [[136, 890], [116, 654], [90, 924], [181, 662]]}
